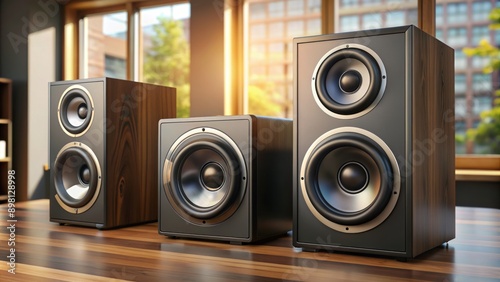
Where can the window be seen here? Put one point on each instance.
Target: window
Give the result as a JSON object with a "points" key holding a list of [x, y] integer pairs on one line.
{"points": [[457, 36], [457, 12], [313, 26], [481, 10], [269, 65], [371, 2], [460, 84], [276, 30], [258, 11], [465, 23], [371, 21], [164, 53], [115, 67], [481, 82], [479, 33], [480, 62], [159, 53], [295, 28], [460, 60], [460, 107], [439, 14], [295, 7], [348, 3], [375, 14], [276, 51], [314, 6], [257, 31], [480, 104], [267, 28], [104, 45], [396, 18], [276, 9], [439, 34], [349, 23]]}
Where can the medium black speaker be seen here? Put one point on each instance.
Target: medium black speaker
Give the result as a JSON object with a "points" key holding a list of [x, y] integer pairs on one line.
{"points": [[225, 178], [103, 150], [373, 142]]}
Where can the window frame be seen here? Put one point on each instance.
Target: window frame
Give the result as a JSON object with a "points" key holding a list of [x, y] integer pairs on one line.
{"points": [[77, 9]]}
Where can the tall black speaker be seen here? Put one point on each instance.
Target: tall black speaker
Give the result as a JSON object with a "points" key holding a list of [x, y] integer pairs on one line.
{"points": [[225, 178], [373, 142], [103, 148]]}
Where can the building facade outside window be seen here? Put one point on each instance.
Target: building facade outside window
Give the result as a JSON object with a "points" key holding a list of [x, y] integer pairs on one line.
{"points": [[465, 24], [271, 27]]}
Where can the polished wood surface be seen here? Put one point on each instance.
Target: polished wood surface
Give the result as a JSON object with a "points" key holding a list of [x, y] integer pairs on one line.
{"points": [[46, 251]]}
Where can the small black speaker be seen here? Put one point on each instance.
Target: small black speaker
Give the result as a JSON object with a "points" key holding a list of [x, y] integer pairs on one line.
{"points": [[373, 142], [225, 178], [103, 150]]}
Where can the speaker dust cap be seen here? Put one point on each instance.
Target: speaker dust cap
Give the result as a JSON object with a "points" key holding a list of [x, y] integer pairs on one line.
{"points": [[348, 81], [350, 180], [75, 110], [77, 177], [204, 176]]}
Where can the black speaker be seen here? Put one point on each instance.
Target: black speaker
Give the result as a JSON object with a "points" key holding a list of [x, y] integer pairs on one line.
{"points": [[103, 150], [225, 178], [373, 142]]}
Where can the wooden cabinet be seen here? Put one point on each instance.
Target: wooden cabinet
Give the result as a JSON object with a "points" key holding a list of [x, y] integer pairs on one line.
{"points": [[5, 134]]}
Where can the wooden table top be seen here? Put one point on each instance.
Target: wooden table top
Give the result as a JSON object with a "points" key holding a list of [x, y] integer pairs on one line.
{"points": [[46, 251]]}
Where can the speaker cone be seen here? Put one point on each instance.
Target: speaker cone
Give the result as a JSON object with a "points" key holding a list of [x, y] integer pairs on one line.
{"points": [[77, 176], [350, 179], [204, 176], [75, 110], [348, 81]]}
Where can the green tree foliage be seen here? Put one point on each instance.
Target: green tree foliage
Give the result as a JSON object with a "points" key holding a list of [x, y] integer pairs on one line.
{"points": [[167, 61], [263, 99], [487, 132]]}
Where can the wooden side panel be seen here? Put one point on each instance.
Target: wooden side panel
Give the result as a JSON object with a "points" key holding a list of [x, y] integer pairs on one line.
{"points": [[133, 110], [433, 146]]}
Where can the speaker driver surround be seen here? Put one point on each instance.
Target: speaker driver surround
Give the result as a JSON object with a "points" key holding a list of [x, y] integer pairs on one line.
{"points": [[348, 81], [77, 177], [75, 110], [350, 179], [204, 176]]}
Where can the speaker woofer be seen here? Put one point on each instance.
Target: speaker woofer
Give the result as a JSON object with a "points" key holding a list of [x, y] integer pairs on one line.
{"points": [[77, 177], [75, 110], [350, 178], [348, 81], [204, 176]]}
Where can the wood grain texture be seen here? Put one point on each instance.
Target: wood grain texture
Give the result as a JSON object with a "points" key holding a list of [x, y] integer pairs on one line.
{"points": [[133, 111], [49, 252], [433, 148]]}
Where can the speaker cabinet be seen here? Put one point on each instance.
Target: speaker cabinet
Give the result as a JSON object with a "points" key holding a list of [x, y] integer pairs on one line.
{"points": [[226, 178], [103, 150], [373, 142]]}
